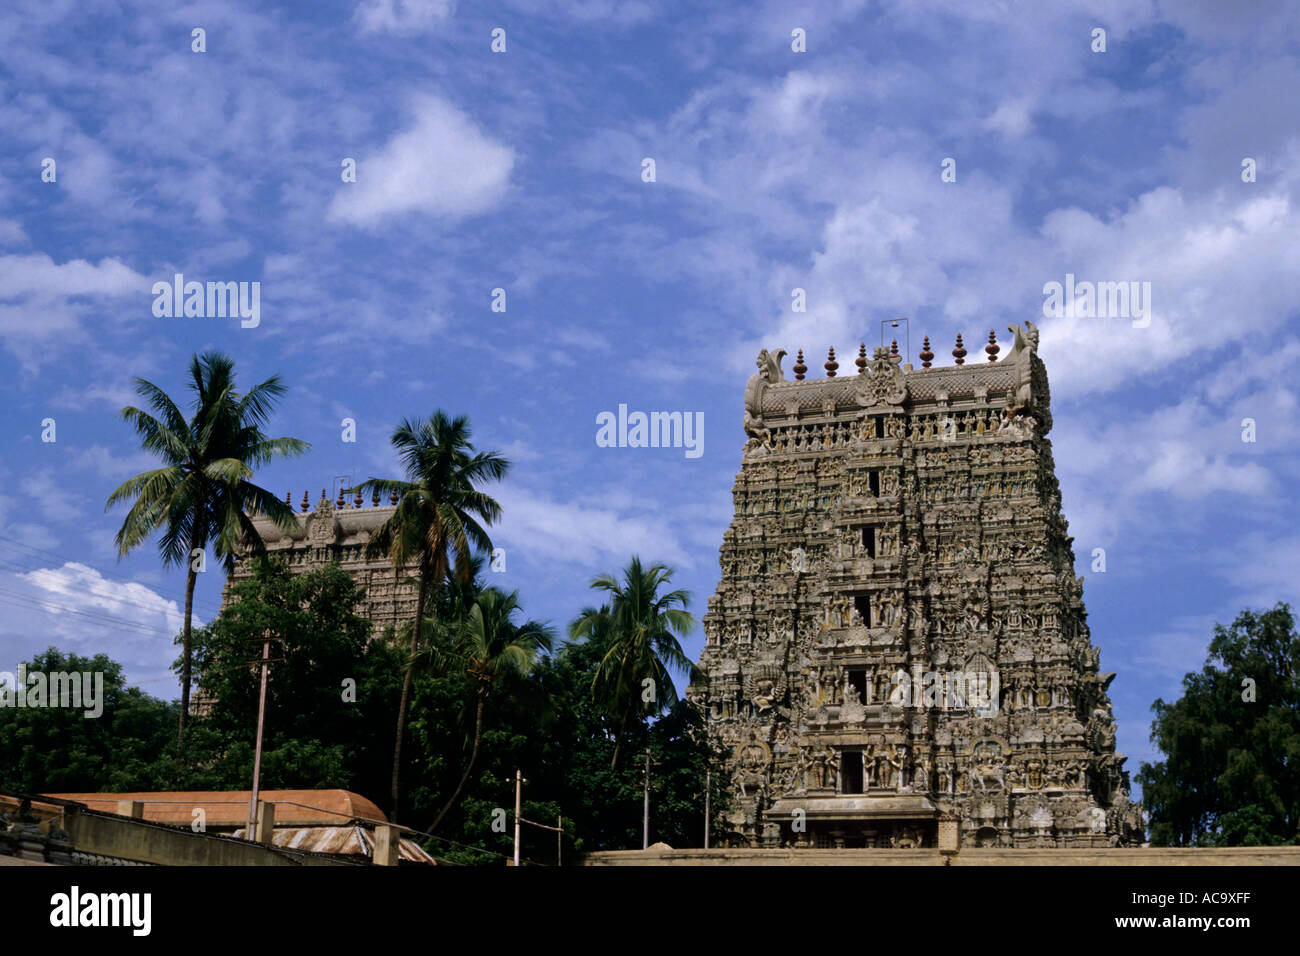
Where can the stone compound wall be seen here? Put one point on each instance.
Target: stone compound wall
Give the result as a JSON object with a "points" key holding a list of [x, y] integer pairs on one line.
{"points": [[1163, 856], [898, 633]]}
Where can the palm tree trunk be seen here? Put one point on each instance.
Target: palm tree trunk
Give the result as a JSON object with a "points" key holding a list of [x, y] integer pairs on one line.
{"points": [[191, 579], [618, 741], [478, 736], [406, 697]]}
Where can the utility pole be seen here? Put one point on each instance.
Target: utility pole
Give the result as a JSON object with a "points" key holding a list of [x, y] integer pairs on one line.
{"points": [[519, 788], [645, 817], [708, 789], [257, 752]]}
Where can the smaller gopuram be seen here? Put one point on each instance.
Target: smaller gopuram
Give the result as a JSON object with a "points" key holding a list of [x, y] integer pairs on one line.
{"points": [[898, 634], [339, 531]]}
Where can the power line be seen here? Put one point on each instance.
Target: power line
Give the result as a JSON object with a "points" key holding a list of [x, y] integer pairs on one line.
{"points": [[115, 598], [17, 596], [14, 544], [22, 562]]}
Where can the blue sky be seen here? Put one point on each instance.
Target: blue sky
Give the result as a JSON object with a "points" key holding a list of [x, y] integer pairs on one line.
{"points": [[522, 171]]}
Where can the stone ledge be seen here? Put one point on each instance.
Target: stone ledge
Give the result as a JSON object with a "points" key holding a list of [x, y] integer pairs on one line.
{"points": [[1154, 856]]}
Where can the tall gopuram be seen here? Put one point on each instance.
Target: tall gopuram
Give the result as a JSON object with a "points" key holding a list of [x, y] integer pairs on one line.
{"points": [[898, 636]]}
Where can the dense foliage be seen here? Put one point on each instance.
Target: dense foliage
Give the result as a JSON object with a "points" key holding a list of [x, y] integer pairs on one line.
{"points": [[542, 719], [1231, 773], [60, 750]]}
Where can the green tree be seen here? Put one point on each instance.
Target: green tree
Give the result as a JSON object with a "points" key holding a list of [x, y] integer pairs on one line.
{"points": [[637, 633], [61, 750], [490, 648], [437, 516], [202, 495], [1231, 773], [327, 701], [548, 725]]}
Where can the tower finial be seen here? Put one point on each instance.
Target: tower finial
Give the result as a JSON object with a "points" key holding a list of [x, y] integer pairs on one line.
{"points": [[926, 355], [959, 353], [861, 360], [992, 348], [831, 365], [799, 367]]}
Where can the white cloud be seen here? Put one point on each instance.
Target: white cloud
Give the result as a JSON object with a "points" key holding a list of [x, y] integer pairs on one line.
{"points": [[39, 276], [1011, 118], [79, 587], [12, 233], [1262, 567], [402, 16], [44, 304], [77, 609], [444, 165], [590, 533], [118, 468]]}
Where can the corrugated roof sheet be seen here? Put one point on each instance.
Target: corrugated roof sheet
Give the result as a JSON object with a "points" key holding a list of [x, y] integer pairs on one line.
{"points": [[349, 840]]}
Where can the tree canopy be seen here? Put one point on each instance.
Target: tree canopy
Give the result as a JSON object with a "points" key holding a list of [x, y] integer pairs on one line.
{"points": [[1231, 773]]}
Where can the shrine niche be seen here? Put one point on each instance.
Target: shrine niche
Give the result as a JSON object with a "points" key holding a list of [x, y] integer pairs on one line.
{"points": [[898, 632]]}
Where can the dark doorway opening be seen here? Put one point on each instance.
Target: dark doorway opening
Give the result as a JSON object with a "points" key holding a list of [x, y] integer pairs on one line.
{"points": [[863, 603], [851, 771], [858, 681]]}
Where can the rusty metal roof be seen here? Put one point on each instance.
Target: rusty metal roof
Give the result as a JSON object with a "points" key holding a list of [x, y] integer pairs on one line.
{"points": [[229, 808]]}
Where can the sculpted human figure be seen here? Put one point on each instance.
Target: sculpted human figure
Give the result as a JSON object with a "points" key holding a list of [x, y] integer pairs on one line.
{"points": [[880, 760], [819, 769], [925, 773], [832, 769], [1034, 774], [803, 767], [894, 766]]}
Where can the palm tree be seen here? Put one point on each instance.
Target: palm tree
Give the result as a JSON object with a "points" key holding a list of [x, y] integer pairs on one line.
{"points": [[202, 495], [637, 630], [490, 647], [435, 517]]}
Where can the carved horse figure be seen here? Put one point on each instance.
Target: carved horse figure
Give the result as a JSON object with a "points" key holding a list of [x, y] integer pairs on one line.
{"points": [[984, 773]]}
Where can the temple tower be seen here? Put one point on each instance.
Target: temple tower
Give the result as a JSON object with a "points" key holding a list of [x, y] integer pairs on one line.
{"points": [[338, 531], [898, 633]]}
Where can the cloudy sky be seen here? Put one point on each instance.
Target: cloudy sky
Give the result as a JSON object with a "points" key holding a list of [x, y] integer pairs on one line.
{"points": [[522, 170]]}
